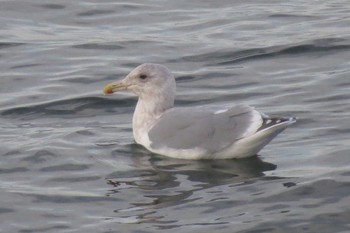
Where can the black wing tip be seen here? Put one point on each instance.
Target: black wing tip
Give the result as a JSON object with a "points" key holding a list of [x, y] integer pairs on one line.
{"points": [[272, 121], [292, 119]]}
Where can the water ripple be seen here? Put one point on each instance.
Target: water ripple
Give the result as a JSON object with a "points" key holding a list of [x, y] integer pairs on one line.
{"points": [[68, 159], [232, 57], [73, 107]]}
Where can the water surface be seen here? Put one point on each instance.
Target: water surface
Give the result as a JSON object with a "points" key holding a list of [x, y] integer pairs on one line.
{"points": [[67, 158]]}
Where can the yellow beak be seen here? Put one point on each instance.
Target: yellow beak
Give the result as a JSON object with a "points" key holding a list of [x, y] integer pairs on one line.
{"points": [[115, 86]]}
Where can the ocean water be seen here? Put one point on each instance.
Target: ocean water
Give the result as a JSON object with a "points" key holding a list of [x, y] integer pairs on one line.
{"points": [[68, 162]]}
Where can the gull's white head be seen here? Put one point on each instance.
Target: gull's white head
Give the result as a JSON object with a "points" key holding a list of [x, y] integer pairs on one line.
{"points": [[146, 81]]}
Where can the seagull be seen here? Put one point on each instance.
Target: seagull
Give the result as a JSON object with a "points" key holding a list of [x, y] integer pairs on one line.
{"points": [[238, 131]]}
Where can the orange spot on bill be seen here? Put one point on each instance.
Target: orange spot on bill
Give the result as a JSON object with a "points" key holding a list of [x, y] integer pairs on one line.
{"points": [[107, 90]]}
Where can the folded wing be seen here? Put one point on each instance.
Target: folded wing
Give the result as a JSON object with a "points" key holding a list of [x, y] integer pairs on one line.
{"points": [[203, 128]]}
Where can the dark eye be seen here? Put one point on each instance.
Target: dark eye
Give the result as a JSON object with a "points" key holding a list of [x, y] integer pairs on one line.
{"points": [[143, 76]]}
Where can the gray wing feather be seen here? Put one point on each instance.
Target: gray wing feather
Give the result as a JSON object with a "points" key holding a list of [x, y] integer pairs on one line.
{"points": [[190, 128]]}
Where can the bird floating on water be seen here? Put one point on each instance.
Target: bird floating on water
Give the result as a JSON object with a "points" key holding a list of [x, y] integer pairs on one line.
{"points": [[192, 133]]}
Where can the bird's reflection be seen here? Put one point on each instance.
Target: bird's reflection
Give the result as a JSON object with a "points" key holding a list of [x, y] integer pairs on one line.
{"points": [[165, 182], [207, 171]]}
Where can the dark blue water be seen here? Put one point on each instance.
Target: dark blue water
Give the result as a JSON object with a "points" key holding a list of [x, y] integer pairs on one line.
{"points": [[67, 158]]}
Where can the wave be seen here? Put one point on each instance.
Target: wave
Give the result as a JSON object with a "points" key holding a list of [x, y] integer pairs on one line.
{"points": [[73, 107], [232, 57], [10, 44], [98, 46]]}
